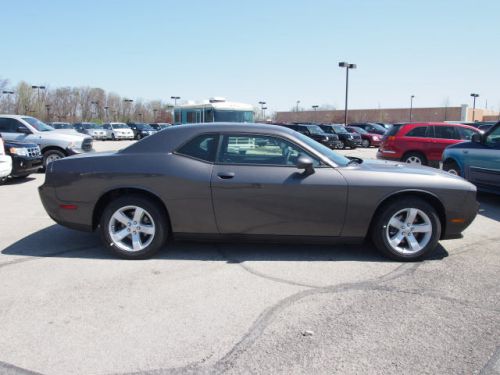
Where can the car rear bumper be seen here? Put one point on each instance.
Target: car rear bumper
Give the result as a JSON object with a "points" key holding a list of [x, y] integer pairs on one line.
{"points": [[388, 155], [75, 216], [5, 165]]}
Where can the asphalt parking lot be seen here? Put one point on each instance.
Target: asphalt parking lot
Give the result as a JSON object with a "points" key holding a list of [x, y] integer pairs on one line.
{"points": [[68, 307]]}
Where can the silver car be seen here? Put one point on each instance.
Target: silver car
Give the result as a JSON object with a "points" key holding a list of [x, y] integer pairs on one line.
{"points": [[53, 143]]}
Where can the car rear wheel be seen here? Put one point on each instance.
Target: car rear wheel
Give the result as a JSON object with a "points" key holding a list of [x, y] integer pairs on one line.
{"points": [[406, 229], [365, 143], [415, 158], [51, 155], [133, 227], [451, 167]]}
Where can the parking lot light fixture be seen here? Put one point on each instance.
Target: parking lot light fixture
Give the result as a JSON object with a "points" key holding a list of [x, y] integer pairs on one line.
{"points": [[175, 98], [411, 106], [262, 104], [347, 66], [474, 96]]}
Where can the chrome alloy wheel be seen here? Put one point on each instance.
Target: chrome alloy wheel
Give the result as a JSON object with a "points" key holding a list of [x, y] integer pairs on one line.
{"points": [[131, 228], [414, 160], [409, 231], [51, 158]]}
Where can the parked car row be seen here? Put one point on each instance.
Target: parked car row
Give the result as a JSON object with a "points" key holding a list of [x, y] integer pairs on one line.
{"points": [[18, 159], [53, 144], [112, 130]]}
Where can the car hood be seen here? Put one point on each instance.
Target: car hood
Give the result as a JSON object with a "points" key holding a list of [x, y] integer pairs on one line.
{"points": [[63, 136], [388, 173], [19, 144]]}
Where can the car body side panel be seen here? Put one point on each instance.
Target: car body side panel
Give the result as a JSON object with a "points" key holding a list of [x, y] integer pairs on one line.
{"points": [[183, 184]]}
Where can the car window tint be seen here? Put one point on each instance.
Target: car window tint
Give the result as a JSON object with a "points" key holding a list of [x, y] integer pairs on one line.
{"points": [[203, 147], [445, 132], [417, 132], [9, 125], [493, 139], [464, 133], [260, 150], [393, 130]]}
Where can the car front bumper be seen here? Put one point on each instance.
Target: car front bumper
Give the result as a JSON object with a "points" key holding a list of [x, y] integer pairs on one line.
{"points": [[22, 165]]}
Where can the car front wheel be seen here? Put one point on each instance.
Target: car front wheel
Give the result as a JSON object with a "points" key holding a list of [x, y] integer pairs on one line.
{"points": [[406, 229], [452, 168], [365, 143], [51, 155], [133, 227]]}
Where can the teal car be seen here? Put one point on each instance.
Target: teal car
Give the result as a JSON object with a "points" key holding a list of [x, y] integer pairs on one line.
{"points": [[477, 161]]}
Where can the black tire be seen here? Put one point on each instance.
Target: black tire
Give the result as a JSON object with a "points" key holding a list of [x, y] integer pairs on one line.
{"points": [[52, 153], [366, 143], [158, 216], [3, 180], [21, 176], [139, 137], [407, 158], [354, 147], [452, 167], [379, 229], [342, 145]]}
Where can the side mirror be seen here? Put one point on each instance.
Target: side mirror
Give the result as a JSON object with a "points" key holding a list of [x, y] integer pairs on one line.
{"points": [[23, 130], [303, 162], [476, 137]]}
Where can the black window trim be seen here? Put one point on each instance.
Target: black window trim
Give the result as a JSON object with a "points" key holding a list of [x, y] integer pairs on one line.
{"points": [[218, 138]]}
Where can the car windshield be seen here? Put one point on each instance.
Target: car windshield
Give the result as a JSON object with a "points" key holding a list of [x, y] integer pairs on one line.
{"points": [[379, 127], [338, 159], [359, 130], [340, 129], [37, 124], [120, 126], [144, 127], [315, 129]]}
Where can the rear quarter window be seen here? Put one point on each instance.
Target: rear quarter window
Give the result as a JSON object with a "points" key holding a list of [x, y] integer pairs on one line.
{"points": [[202, 147], [393, 130]]}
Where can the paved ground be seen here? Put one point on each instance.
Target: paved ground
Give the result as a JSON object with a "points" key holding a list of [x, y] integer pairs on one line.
{"points": [[67, 307]]}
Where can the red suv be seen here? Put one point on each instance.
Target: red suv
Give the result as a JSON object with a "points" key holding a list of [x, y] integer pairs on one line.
{"points": [[422, 143]]}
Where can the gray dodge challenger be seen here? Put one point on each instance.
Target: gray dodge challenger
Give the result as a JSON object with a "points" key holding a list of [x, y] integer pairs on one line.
{"points": [[253, 182]]}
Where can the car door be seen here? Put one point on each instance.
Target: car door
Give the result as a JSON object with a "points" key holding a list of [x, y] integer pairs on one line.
{"points": [[443, 137], [257, 189], [483, 161]]}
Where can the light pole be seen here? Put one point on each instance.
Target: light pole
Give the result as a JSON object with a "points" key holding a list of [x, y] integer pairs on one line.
{"points": [[262, 104], [47, 107], [474, 96], [140, 115], [297, 105], [96, 107], [128, 101], [106, 113], [38, 88], [347, 66], [264, 113], [411, 105], [8, 93], [315, 107], [175, 105], [154, 114]]}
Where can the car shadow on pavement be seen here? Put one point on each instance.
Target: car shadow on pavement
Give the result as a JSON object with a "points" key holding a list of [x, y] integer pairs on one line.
{"points": [[57, 241], [489, 205], [18, 181]]}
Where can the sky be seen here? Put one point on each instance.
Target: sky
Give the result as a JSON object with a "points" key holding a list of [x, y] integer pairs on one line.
{"points": [[277, 51]]}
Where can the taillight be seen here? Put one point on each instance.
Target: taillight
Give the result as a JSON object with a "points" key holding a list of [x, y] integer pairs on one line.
{"points": [[391, 138]]}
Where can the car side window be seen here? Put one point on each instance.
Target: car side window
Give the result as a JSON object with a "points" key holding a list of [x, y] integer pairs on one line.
{"points": [[260, 150], [420, 131], [203, 147], [9, 125], [493, 139], [445, 132], [465, 134]]}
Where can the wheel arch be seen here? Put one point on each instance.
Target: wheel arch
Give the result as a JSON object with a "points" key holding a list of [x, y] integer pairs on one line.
{"points": [[54, 148], [430, 198], [453, 159], [112, 194], [415, 152]]}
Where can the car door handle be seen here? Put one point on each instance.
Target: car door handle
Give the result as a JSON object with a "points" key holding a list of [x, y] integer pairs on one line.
{"points": [[226, 175]]}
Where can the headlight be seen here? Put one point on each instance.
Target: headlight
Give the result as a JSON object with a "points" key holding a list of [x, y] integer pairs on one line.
{"points": [[375, 138], [21, 151]]}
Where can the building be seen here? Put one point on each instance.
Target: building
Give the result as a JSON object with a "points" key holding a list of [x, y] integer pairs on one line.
{"points": [[389, 115], [213, 110]]}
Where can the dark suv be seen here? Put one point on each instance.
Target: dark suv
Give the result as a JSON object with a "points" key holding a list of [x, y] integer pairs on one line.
{"points": [[26, 158], [346, 139], [141, 130], [371, 127], [316, 133]]}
